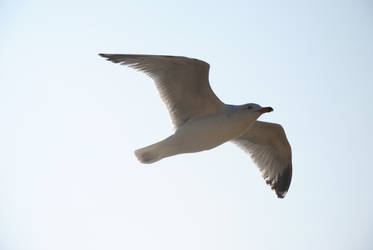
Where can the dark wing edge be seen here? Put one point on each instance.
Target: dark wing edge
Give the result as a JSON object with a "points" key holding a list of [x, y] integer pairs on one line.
{"points": [[282, 184], [131, 60]]}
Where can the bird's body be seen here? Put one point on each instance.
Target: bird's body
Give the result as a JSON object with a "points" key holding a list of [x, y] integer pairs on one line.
{"points": [[203, 122], [201, 133]]}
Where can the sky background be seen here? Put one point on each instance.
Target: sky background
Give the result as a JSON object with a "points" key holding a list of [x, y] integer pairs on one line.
{"points": [[70, 122]]}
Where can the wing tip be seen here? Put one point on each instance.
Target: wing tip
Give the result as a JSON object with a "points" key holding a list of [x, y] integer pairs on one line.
{"points": [[107, 56], [281, 186], [111, 57], [103, 55], [281, 195]]}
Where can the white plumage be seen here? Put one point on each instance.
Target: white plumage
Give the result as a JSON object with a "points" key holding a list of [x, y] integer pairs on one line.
{"points": [[203, 122]]}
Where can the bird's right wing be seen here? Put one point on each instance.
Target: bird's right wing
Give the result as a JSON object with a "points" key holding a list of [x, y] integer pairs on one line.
{"points": [[182, 83], [267, 145]]}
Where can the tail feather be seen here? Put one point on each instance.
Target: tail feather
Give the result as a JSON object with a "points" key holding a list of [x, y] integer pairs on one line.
{"points": [[148, 154]]}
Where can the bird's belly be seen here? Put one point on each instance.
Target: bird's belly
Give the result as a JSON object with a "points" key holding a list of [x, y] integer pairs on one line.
{"points": [[205, 133]]}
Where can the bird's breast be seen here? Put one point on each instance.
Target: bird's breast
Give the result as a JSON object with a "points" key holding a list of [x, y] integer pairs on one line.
{"points": [[209, 131]]}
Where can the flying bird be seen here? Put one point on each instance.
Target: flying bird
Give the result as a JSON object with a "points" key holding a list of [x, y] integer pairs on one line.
{"points": [[202, 121]]}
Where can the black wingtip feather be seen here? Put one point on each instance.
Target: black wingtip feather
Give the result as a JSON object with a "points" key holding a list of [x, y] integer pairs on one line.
{"points": [[111, 57], [106, 56], [282, 185]]}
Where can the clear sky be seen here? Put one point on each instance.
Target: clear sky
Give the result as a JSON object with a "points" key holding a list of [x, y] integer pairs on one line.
{"points": [[70, 122]]}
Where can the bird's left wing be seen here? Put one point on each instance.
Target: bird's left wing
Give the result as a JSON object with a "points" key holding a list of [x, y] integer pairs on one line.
{"points": [[270, 150], [182, 82]]}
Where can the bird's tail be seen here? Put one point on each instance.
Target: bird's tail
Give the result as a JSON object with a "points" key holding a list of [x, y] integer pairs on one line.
{"points": [[149, 154]]}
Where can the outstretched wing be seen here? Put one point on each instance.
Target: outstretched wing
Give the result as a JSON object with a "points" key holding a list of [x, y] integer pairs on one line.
{"points": [[270, 150], [182, 82]]}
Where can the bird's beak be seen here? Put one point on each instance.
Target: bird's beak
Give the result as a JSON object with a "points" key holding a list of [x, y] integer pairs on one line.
{"points": [[265, 110]]}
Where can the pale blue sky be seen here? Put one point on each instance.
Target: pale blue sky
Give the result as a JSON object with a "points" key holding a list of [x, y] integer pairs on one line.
{"points": [[71, 121]]}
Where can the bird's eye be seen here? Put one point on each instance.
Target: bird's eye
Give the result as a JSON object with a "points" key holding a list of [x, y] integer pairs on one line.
{"points": [[249, 107]]}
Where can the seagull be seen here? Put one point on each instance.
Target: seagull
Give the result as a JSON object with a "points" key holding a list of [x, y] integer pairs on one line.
{"points": [[202, 121]]}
